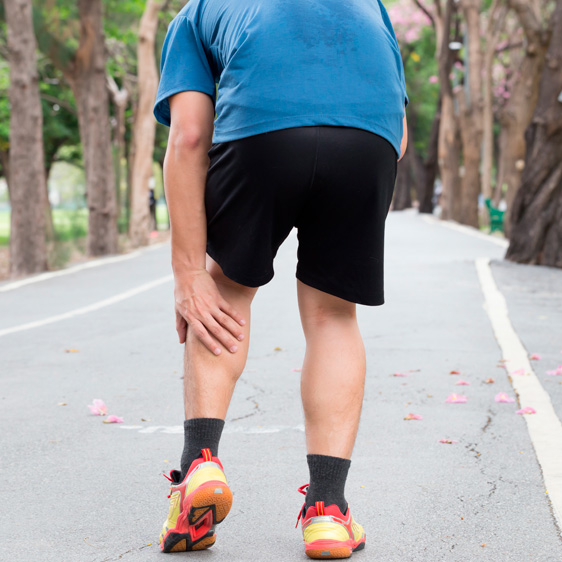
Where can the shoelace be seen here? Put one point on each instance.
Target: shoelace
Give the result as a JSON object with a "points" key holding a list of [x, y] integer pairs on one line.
{"points": [[302, 490]]}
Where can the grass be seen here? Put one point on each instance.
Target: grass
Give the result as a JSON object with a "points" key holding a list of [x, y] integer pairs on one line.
{"points": [[73, 224]]}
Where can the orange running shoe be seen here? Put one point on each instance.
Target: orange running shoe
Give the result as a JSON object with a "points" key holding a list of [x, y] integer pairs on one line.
{"points": [[327, 532], [198, 503]]}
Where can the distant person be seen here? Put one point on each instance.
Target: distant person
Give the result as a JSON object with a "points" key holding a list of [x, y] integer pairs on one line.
{"points": [[152, 209], [310, 123]]}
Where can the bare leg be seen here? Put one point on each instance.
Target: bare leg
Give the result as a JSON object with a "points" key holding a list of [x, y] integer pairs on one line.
{"points": [[209, 380], [333, 374]]}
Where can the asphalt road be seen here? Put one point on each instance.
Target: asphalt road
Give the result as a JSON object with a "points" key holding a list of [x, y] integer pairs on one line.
{"points": [[75, 489]]}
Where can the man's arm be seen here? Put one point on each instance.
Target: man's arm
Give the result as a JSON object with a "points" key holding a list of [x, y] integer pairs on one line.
{"points": [[404, 143], [198, 302]]}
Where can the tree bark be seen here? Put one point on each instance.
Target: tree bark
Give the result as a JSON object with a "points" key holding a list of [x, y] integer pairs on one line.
{"points": [[430, 164], [470, 110], [536, 219], [448, 152], [89, 85], [495, 26], [28, 251], [144, 126], [516, 116]]}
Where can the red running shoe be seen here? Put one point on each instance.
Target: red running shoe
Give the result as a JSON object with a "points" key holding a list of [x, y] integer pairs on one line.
{"points": [[328, 533], [198, 503]]}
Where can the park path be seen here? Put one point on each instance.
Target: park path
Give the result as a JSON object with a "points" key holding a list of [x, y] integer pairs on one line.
{"points": [[75, 489]]}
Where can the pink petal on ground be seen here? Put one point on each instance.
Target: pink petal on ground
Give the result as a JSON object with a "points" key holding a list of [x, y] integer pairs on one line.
{"points": [[456, 398], [113, 419], [489, 381], [503, 397], [461, 382], [411, 416], [557, 371], [454, 372], [400, 375], [98, 408], [296, 369], [518, 372], [448, 441], [526, 410], [535, 357]]}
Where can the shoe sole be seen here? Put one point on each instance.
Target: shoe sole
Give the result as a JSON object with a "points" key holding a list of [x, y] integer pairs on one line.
{"points": [[326, 550], [204, 508]]}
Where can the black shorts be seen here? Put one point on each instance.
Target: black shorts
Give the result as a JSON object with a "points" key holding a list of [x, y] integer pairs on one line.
{"points": [[334, 184]]}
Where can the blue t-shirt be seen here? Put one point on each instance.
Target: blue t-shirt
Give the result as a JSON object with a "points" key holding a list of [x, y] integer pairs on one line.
{"points": [[287, 63]]}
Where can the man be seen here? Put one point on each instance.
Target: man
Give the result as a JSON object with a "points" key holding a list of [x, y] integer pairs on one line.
{"points": [[310, 122]]}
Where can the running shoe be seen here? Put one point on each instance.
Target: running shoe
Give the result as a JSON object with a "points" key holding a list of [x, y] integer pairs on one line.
{"points": [[199, 502], [327, 532]]}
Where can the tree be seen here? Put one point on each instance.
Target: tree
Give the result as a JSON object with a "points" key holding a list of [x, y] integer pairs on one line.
{"points": [[26, 164], [536, 236], [144, 126], [84, 69]]}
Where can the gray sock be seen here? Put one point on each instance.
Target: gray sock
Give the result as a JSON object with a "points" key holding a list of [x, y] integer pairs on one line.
{"points": [[327, 481], [199, 433]]}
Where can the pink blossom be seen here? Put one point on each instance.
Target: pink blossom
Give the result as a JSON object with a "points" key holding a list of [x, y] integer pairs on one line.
{"points": [[518, 372], [526, 410], [433, 79], [296, 369], [557, 371], [448, 441], [503, 397], [456, 399], [461, 382], [535, 357], [411, 416], [98, 408], [113, 419], [400, 375]]}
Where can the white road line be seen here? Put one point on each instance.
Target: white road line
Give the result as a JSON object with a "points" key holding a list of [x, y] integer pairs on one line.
{"points": [[90, 308], [73, 269], [252, 430], [544, 427], [467, 230]]}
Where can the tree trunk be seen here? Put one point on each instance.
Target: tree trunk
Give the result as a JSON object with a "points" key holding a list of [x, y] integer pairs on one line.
{"points": [[90, 90], [536, 218], [430, 164], [449, 155], [28, 251], [495, 26], [471, 105], [145, 126], [516, 116]]}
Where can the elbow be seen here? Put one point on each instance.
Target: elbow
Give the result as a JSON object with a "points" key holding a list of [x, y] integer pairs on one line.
{"points": [[188, 141]]}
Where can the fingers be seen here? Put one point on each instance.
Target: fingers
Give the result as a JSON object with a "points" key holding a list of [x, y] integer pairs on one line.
{"points": [[220, 334], [231, 311], [181, 327], [227, 322], [204, 337]]}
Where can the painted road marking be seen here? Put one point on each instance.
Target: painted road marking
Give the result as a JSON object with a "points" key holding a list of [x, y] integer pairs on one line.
{"points": [[544, 427], [252, 430], [73, 269], [466, 230], [90, 308]]}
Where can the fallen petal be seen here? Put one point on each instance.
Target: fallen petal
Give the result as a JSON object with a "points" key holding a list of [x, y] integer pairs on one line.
{"points": [[400, 375], [71, 350], [456, 398], [503, 397], [518, 372], [555, 372], [113, 419], [277, 349], [461, 382], [296, 369], [526, 410], [411, 416], [98, 407], [535, 357], [454, 372], [448, 441], [489, 381]]}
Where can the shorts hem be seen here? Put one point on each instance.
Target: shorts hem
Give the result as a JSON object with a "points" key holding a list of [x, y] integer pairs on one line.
{"points": [[377, 300], [240, 279]]}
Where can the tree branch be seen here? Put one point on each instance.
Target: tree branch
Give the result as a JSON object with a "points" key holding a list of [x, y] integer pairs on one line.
{"points": [[425, 11]]}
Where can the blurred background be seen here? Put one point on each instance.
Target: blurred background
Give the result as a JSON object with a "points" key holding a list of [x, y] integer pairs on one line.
{"points": [[81, 154]]}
